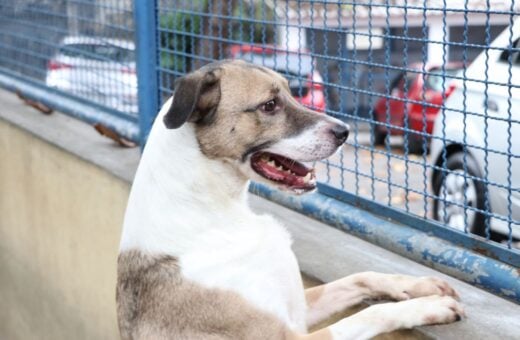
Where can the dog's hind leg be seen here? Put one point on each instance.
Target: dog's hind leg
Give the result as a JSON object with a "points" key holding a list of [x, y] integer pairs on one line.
{"points": [[327, 299], [387, 317]]}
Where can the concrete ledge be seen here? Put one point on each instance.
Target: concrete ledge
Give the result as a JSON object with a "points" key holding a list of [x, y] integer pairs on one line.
{"points": [[72, 135], [323, 252], [327, 254]]}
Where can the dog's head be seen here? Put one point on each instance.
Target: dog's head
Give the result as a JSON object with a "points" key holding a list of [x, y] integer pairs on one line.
{"points": [[245, 115]]}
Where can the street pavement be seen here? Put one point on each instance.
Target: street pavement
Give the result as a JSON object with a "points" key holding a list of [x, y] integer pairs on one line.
{"points": [[385, 174]]}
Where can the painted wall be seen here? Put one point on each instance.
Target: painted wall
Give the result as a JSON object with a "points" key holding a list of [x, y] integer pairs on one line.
{"points": [[60, 220]]}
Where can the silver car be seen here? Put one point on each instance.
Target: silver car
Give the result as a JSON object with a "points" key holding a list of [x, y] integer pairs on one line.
{"points": [[477, 139], [99, 69]]}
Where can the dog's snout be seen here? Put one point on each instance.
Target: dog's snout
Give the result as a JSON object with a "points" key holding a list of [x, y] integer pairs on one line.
{"points": [[340, 131]]}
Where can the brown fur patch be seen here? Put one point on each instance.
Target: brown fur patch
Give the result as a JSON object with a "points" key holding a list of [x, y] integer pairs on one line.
{"points": [[155, 302], [243, 88]]}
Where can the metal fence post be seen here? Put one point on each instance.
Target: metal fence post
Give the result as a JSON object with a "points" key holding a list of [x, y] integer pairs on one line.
{"points": [[145, 13]]}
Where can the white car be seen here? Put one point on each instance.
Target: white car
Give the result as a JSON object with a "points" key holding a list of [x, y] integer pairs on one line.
{"points": [[481, 124], [98, 69]]}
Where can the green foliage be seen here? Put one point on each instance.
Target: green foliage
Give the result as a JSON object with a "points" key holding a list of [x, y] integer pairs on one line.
{"points": [[177, 39], [257, 28], [179, 30]]}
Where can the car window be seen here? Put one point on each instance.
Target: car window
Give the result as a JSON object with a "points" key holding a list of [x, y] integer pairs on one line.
{"points": [[410, 78], [98, 52], [504, 56], [435, 80], [398, 81]]}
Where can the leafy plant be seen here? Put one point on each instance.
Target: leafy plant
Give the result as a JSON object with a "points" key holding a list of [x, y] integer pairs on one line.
{"points": [[252, 26], [179, 31], [178, 39]]}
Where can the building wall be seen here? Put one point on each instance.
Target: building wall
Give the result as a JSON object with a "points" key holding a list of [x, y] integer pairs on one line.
{"points": [[60, 220]]}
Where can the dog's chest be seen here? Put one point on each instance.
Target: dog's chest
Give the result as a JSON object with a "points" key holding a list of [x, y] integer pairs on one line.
{"points": [[256, 263]]}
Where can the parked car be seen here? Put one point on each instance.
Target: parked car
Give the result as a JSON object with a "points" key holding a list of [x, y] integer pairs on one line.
{"points": [[412, 96], [476, 144], [305, 82], [99, 69]]}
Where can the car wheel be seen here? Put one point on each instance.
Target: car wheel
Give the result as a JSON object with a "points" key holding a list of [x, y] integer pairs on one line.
{"points": [[379, 137], [416, 145], [453, 192]]}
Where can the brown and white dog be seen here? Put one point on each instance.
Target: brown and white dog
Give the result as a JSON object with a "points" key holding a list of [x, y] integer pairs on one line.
{"points": [[196, 263]]}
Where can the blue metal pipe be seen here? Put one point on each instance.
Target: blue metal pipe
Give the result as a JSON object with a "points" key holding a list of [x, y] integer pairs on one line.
{"points": [[125, 125], [145, 15]]}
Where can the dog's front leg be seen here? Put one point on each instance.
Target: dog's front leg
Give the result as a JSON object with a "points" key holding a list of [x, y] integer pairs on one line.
{"points": [[330, 298], [387, 317]]}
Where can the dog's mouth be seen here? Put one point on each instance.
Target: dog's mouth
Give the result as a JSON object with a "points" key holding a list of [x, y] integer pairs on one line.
{"points": [[289, 173]]}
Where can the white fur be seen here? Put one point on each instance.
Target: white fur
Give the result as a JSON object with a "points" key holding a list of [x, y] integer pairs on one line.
{"points": [[193, 208], [313, 144], [188, 206]]}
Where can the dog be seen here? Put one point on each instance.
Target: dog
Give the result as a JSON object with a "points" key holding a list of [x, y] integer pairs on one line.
{"points": [[196, 263]]}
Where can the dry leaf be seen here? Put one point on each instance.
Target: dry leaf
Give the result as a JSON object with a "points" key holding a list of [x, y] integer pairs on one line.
{"points": [[103, 130], [35, 104]]}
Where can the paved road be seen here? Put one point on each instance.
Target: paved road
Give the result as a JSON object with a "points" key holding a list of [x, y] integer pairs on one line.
{"points": [[384, 174]]}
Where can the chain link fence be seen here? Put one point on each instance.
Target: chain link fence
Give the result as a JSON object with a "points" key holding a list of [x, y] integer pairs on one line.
{"points": [[430, 88]]}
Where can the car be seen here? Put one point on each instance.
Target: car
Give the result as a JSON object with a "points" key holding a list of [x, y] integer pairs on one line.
{"points": [[414, 96], [475, 146], [299, 68], [98, 69]]}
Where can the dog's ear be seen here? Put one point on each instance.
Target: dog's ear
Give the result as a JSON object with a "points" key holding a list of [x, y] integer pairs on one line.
{"points": [[196, 98]]}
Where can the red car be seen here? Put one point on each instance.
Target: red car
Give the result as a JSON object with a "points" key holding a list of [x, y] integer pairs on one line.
{"points": [[422, 91], [305, 82]]}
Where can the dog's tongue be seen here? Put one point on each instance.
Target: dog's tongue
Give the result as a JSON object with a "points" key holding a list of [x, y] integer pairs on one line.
{"points": [[286, 171]]}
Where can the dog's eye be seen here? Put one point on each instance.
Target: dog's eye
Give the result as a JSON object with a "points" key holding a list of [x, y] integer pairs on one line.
{"points": [[269, 107]]}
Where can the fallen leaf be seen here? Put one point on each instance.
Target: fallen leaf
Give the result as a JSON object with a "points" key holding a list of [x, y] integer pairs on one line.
{"points": [[105, 131], [35, 104]]}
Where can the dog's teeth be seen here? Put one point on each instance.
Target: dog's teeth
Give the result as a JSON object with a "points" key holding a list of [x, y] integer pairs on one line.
{"points": [[307, 177], [271, 162]]}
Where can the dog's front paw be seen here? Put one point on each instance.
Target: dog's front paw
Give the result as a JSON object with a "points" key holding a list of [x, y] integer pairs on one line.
{"points": [[414, 287], [402, 287], [428, 310]]}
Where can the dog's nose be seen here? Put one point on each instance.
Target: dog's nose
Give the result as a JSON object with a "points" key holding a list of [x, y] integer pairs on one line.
{"points": [[340, 131]]}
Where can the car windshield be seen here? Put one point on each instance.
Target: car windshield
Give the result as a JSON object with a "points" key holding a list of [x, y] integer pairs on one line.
{"points": [[398, 82], [437, 82], [100, 52], [292, 63]]}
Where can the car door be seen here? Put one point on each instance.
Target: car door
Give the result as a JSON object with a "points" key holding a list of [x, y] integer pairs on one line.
{"points": [[390, 110], [502, 109]]}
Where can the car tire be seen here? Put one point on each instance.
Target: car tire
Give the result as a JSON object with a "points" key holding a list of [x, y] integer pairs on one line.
{"points": [[475, 194], [416, 145], [379, 137]]}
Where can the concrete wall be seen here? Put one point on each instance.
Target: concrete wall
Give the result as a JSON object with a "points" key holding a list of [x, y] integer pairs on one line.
{"points": [[60, 220]]}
